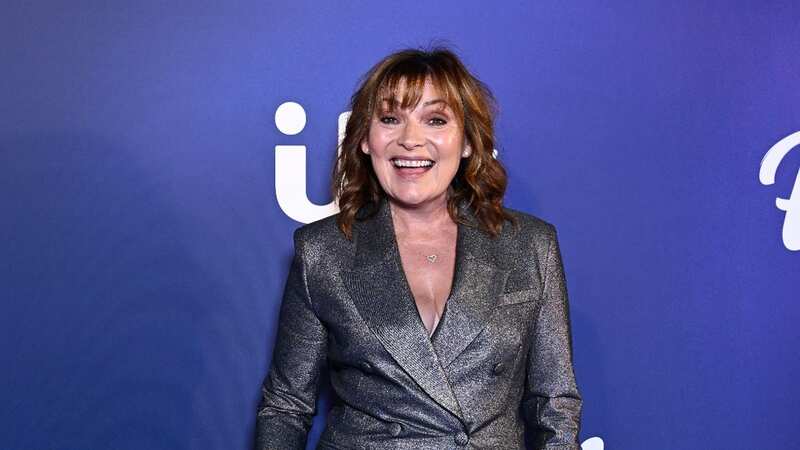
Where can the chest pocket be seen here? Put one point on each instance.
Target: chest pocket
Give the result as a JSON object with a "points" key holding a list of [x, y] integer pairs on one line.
{"points": [[521, 287], [519, 297]]}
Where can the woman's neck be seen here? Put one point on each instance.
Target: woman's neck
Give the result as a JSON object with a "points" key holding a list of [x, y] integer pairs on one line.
{"points": [[428, 217]]}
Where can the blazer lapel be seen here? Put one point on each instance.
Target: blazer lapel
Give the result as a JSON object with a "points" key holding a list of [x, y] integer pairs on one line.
{"points": [[477, 285], [380, 292]]}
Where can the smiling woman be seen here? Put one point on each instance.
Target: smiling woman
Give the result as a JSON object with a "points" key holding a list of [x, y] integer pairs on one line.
{"points": [[416, 153], [414, 98], [442, 315]]}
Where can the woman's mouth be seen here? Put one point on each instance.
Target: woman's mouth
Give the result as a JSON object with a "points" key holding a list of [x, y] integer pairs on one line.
{"points": [[412, 168]]}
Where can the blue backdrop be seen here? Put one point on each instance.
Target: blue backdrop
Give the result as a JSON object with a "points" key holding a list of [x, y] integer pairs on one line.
{"points": [[144, 251]]}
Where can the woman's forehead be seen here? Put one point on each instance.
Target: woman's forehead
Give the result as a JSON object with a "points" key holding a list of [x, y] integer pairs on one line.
{"points": [[401, 93]]}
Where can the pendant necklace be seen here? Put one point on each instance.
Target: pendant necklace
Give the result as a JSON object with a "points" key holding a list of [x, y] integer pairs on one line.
{"points": [[431, 258]]}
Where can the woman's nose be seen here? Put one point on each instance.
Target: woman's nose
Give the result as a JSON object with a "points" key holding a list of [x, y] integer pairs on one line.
{"points": [[412, 136]]}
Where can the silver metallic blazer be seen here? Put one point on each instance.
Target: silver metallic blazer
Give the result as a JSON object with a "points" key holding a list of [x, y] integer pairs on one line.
{"points": [[499, 361]]}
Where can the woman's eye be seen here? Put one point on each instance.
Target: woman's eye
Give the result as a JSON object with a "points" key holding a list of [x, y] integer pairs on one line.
{"points": [[388, 120], [438, 121]]}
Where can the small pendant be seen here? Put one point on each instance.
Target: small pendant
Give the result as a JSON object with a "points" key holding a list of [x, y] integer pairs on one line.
{"points": [[431, 258]]}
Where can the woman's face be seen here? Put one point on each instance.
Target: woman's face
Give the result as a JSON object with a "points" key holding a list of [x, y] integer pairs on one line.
{"points": [[416, 153]]}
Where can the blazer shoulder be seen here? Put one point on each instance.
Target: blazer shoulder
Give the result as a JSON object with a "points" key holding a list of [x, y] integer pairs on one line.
{"points": [[321, 239], [322, 229], [525, 248], [530, 226]]}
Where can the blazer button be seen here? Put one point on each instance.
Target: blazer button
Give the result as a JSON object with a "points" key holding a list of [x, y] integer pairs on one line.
{"points": [[366, 366], [499, 368], [461, 438], [395, 429]]}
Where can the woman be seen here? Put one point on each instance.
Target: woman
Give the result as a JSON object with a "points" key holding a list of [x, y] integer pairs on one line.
{"points": [[441, 315]]}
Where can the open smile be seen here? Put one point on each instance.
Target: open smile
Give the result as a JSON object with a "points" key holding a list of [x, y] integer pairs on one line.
{"points": [[412, 162], [412, 167]]}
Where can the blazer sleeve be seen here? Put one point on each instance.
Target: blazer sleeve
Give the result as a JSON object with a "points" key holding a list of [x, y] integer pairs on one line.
{"points": [[289, 391], [552, 403]]}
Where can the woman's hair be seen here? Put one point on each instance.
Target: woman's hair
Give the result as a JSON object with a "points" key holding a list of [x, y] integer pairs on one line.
{"points": [[480, 180]]}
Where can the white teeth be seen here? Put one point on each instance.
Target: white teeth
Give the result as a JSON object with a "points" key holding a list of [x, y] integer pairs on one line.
{"points": [[412, 163]]}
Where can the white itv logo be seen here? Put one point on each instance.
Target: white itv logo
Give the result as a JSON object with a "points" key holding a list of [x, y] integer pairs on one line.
{"points": [[290, 167]]}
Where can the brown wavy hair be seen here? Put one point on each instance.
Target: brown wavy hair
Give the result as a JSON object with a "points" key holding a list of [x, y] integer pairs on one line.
{"points": [[480, 180]]}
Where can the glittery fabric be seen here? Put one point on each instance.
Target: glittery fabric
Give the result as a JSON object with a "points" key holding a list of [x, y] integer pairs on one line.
{"points": [[500, 360]]}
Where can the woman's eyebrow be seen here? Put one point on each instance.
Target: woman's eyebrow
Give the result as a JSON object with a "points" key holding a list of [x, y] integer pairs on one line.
{"points": [[391, 102], [434, 101]]}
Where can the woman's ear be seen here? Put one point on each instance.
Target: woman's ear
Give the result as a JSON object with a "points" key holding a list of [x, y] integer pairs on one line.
{"points": [[365, 147], [467, 151]]}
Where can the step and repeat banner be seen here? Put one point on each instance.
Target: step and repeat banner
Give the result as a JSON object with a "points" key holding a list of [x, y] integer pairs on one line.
{"points": [[155, 158]]}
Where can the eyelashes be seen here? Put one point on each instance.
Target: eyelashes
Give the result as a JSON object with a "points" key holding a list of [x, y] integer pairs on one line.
{"points": [[392, 120]]}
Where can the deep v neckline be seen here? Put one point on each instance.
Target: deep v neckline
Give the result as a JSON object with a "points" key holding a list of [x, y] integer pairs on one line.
{"points": [[455, 278]]}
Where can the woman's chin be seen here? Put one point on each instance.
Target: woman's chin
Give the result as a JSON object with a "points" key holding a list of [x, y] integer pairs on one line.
{"points": [[415, 200]]}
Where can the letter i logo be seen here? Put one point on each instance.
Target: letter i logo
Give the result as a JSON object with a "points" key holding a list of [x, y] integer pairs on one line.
{"points": [[290, 167], [791, 205]]}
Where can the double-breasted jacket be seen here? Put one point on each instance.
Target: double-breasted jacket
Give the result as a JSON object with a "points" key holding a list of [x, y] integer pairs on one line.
{"points": [[499, 361]]}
